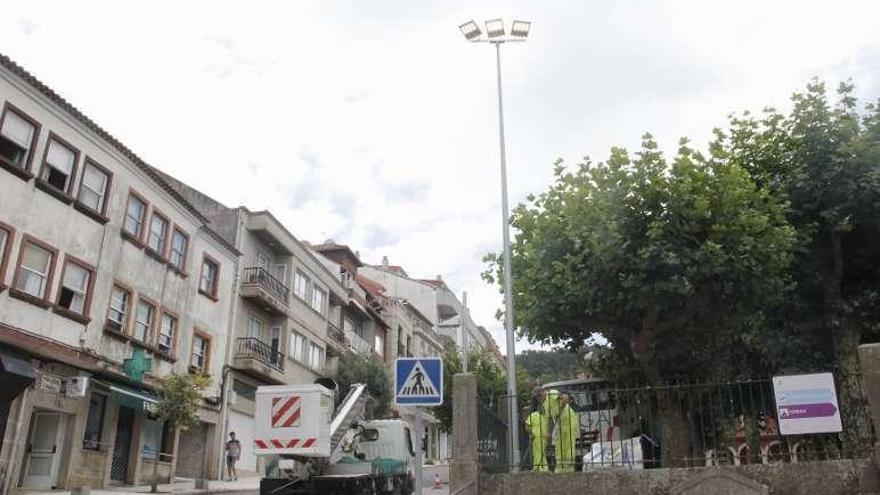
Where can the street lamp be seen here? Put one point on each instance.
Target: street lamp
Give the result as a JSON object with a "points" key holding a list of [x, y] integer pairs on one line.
{"points": [[496, 35]]}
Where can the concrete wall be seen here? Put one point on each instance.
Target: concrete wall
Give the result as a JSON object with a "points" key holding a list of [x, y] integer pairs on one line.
{"points": [[808, 478]]}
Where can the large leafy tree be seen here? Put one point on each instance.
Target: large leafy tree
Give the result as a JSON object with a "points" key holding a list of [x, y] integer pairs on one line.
{"points": [[665, 260], [825, 161]]}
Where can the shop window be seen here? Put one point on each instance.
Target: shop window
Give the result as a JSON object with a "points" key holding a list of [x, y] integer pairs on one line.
{"points": [[95, 422]]}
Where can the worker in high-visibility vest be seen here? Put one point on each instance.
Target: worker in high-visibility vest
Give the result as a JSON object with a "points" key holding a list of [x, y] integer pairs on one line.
{"points": [[568, 429], [538, 426], [550, 403]]}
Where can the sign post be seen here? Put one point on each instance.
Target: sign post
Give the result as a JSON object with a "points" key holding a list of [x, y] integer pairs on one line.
{"points": [[806, 404], [418, 382]]}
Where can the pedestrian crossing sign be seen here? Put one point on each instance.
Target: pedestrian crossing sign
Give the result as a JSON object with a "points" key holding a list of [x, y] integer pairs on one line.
{"points": [[418, 381]]}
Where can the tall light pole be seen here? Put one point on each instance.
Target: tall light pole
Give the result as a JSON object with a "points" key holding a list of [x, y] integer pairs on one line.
{"points": [[496, 35]]}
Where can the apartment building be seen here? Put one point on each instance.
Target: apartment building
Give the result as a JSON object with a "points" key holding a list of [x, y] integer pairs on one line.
{"points": [[109, 280], [364, 328], [285, 317], [434, 300]]}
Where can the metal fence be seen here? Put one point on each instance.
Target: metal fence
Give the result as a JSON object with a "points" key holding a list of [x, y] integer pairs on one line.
{"points": [[597, 425]]}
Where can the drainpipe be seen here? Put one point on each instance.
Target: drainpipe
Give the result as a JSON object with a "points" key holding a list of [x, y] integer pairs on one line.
{"points": [[227, 367], [10, 467]]}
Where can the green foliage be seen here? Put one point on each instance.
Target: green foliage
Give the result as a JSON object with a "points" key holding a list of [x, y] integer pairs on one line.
{"points": [[761, 256], [825, 161], [180, 396], [551, 366], [645, 252], [356, 368]]}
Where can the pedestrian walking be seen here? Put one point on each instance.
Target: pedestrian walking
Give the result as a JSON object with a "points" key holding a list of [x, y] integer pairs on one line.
{"points": [[233, 453]]}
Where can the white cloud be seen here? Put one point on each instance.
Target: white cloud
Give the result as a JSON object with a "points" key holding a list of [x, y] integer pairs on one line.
{"points": [[375, 123]]}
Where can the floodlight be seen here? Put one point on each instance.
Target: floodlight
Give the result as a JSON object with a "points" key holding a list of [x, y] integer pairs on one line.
{"points": [[520, 28], [470, 30], [495, 28]]}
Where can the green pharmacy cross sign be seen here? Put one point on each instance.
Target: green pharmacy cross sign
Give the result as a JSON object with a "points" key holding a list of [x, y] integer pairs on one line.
{"points": [[137, 365]]}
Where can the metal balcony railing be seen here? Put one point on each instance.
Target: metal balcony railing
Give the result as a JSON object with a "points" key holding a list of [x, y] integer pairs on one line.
{"points": [[254, 348], [358, 344], [335, 333], [258, 275]]}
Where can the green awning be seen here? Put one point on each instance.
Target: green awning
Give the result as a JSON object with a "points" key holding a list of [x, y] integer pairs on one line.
{"points": [[17, 374], [138, 400]]}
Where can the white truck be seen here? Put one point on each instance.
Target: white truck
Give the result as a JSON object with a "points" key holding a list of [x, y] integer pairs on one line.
{"points": [[310, 448]]}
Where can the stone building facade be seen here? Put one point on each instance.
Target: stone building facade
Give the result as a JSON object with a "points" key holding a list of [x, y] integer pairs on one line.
{"points": [[109, 280]]}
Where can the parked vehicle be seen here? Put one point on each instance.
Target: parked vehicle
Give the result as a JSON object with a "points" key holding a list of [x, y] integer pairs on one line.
{"points": [[313, 449]]}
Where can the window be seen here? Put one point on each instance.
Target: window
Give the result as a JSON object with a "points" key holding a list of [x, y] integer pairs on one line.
{"points": [[353, 326], [298, 347], [94, 422], [5, 245], [34, 269], [17, 136], [93, 187], [135, 214], [158, 233], [262, 260], [76, 285], [280, 273], [152, 438], [316, 356], [244, 391], [318, 297], [301, 285], [167, 452], [200, 349], [120, 301], [143, 321], [379, 343], [208, 280], [167, 333], [179, 241], [255, 327], [59, 164]]}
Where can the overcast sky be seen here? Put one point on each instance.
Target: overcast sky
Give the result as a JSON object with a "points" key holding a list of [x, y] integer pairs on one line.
{"points": [[375, 123]]}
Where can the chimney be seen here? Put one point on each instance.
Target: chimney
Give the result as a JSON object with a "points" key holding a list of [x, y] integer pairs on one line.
{"points": [[440, 278], [384, 262]]}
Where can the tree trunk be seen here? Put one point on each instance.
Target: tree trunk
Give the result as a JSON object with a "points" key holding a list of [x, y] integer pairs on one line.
{"points": [[857, 431], [669, 417], [846, 337], [674, 446]]}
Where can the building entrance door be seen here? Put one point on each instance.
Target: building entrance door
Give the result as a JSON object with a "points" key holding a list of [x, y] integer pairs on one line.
{"points": [[122, 448], [44, 450]]}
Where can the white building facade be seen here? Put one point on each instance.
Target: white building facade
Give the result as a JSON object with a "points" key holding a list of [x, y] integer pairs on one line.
{"points": [[109, 280]]}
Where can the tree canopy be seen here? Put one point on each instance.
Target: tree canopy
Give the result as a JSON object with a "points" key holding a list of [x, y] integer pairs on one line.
{"points": [[356, 368], [760, 254]]}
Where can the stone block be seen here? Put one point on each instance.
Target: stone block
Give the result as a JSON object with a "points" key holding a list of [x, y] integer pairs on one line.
{"points": [[81, 490], [720, 482]]}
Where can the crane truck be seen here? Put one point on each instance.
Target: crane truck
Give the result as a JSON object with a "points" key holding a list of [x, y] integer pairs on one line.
{"points": [[312, 447]]}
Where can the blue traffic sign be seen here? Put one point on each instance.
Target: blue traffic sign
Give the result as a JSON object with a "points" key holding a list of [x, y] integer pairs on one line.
{"points": [[418, 381]]}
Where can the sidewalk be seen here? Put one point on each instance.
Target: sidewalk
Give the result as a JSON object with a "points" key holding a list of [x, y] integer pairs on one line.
{"points": [[187, 487]]}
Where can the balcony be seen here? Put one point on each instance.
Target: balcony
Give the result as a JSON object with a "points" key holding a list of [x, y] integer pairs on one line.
{"points": [[335, 339], [258, 358], [357, 344], [264, 289]]}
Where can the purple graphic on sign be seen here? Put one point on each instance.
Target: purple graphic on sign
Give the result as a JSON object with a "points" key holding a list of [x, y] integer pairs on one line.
{"points": [[804, 411]]}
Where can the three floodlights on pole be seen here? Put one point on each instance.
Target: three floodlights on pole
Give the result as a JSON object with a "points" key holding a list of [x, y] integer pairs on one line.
{"points": [[497, 35]]}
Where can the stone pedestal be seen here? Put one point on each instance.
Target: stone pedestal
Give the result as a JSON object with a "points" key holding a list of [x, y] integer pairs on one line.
{"points": [[464, 470]]}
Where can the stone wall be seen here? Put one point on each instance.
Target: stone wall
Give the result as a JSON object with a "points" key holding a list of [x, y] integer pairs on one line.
{"points": [[813, 478]]}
